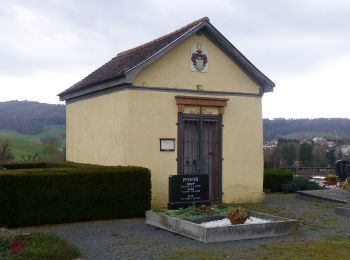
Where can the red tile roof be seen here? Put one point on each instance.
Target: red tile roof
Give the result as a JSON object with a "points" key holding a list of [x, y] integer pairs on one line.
{"points": [[116, 67]]}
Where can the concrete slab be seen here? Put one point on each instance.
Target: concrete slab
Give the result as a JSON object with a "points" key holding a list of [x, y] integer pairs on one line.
{"points": [[343, 211], [334, 195], [278, 227]]}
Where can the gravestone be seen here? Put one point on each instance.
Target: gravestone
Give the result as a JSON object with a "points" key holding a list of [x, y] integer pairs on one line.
{"points": [[188, 190], [342, 169]]}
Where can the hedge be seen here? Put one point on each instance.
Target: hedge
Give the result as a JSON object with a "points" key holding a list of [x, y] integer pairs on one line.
{"points": [[62, 195], [23, 165], [39, 165], [274, 178]]}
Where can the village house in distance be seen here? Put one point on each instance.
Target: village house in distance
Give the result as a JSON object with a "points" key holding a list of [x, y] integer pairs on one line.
{"points": [[186, 103]]}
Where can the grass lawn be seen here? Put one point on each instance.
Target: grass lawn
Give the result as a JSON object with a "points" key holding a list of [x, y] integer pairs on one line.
{"points": [[30, 144], [320, 248], [36, 246]]}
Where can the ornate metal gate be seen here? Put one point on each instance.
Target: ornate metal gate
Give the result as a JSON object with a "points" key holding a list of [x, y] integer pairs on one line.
{"points": [[200, 149]]}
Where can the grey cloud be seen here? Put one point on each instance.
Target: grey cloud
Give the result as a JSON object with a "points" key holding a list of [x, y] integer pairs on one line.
{"points": [[281, 37]]}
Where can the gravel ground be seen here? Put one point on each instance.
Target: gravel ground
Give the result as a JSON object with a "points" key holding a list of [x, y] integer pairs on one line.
{"points": [[132, 239]]}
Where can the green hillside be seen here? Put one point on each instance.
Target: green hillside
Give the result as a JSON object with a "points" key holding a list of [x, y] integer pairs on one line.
{"points": [[22, 144], [51, 131], [309, 135], [296, 128]]}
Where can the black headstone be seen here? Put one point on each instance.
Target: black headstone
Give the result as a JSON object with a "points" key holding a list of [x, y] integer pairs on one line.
{"points": [[188, 190], [342, 169]]}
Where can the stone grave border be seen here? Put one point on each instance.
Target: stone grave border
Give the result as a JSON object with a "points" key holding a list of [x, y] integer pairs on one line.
{"points": [[278, 227]]}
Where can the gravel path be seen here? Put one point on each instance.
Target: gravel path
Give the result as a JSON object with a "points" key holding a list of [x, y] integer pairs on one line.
{"points": [[132, 239]]}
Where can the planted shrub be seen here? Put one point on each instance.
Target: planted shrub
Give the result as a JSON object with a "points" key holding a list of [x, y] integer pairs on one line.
{"points": [[59, 195], [237, 215], [299, 183], [274, 178]]}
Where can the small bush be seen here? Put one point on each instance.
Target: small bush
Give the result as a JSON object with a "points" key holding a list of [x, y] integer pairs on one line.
{"points": [[274, 178], [237, 215], [300, 184], [60, 195]]}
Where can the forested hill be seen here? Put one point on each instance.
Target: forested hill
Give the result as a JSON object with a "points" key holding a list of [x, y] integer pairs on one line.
{"points": [[28, 117], [296, 128]]}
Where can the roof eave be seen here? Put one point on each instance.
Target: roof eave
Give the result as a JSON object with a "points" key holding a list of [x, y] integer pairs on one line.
{"points": [[93, 88]]}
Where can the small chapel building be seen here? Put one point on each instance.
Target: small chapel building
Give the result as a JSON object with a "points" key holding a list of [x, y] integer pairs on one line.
{"points": [[188, 102]]}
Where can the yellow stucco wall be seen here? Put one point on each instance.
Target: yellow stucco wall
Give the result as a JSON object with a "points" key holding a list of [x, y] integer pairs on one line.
{"points": [[242, 151], [96, 130], [173, 70], [123, 128], [242, 144], [153, 115]]}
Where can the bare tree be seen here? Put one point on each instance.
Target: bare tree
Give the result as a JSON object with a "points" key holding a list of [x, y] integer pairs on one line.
{"points": [[51, 145], [30, 158], [5, 151]]}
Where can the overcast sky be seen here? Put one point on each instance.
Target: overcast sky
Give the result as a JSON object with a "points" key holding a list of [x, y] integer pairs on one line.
{"points": [[302, 45]]}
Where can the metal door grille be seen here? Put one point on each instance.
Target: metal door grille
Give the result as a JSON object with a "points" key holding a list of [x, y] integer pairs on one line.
{"points": [[200, 148]]}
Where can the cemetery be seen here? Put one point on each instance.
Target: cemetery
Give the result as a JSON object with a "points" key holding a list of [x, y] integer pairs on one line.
{"points": [[282, 226], [207, 223], [187, 107]]}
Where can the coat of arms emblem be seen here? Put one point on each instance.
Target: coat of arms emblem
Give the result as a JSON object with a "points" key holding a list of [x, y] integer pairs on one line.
{"points": [[199, 58]]}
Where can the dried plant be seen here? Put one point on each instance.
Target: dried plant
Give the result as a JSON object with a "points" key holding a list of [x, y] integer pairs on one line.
{"points": [[346, 184], [204, 209], [237, 215]]}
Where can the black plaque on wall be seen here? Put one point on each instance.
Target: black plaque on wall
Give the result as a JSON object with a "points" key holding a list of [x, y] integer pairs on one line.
{"points": [[188, 190]]}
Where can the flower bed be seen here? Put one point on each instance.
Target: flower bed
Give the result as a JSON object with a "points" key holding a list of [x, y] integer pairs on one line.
{"points": [[208, 227]]}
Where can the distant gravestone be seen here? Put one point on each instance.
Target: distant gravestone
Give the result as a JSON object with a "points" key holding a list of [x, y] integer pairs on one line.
{"points": [[342, 169], [188, 190]]}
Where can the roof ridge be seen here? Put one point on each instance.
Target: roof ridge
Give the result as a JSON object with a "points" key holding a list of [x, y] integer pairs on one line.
{"points": [[188, 26]]}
